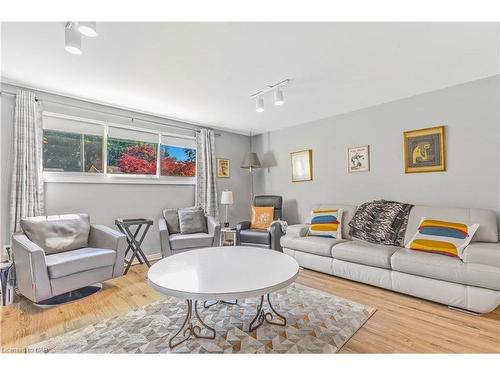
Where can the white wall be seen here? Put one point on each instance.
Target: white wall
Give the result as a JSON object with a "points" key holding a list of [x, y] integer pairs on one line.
{"points": [[106, 202], [470, 113]]}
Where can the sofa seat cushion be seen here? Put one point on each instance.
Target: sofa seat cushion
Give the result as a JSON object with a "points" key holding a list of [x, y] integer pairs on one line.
{"points": [[74, 261], [483, 253], [311, 244], [445, 268], [365, 253], [188, 241], [260, 236]]}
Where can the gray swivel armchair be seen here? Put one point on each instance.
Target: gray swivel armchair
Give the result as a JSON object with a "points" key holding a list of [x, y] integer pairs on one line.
{"points": [[173, 241], [269, 238], [54, 255]]}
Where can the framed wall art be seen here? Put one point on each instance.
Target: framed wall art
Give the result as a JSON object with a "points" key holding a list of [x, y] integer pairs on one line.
{"points": [[223, 168], [358, 159], [301, 165], [424, 150]]}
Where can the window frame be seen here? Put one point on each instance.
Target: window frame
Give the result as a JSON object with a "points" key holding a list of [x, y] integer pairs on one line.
{"points": [[110, 178]]}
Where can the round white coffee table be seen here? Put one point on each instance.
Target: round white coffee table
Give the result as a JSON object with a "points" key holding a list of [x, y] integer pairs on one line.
{"points": [[223, 273]]}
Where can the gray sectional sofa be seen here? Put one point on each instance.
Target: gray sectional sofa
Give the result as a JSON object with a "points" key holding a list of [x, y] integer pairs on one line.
{"points": [[471, 283]]}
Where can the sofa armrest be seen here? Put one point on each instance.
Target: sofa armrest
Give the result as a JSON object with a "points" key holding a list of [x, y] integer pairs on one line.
{"points": [[164, 241], [31, 268], [276, 234], [106, 238], [241, 226], [297, 230], [214, 229]]}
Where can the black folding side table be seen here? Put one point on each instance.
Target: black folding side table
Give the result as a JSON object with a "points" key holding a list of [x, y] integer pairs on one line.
{"points": [[125, 225]]}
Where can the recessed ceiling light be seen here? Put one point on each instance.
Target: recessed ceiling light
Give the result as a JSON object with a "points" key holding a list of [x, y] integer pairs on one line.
{"points": [[259, 104], [87, 28], [278, 97], [72, 40]]}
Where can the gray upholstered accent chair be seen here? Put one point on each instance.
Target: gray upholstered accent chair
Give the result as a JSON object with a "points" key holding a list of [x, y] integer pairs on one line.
{"points": [[54, 255], [269, 238], [173, 241]]}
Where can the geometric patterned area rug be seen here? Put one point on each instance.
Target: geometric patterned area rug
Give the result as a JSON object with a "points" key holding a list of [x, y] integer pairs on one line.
{"points": [[317, 322]]}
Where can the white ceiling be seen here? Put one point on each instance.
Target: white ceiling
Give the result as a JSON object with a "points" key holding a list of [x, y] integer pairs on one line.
{"points": [[205, 72]]}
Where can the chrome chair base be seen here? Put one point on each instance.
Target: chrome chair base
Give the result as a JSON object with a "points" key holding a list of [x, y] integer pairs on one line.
{"points": [[74, 295]]}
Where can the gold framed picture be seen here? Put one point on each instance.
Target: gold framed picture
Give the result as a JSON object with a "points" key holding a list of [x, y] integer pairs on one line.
{"points": [[424, 150], [301, 165], [223, 168], [358, 159]]}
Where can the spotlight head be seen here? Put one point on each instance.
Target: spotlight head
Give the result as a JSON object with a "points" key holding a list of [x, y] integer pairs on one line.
{"points": [[259, 104], [88, 28], [278, 97], [72, 40]]}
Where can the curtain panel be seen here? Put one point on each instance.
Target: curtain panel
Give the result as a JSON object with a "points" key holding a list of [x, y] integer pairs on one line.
{"points": [[206, 186], [27, 195]]}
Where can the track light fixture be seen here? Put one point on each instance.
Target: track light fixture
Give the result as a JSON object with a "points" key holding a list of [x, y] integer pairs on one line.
{"points": [[73, 32], [72, 39], [279, 98], [259, 104]]}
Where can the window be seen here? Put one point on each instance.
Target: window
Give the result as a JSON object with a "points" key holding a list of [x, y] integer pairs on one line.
{"points": [[69, 152], [177, 157], [131, 151], [72, 144]]}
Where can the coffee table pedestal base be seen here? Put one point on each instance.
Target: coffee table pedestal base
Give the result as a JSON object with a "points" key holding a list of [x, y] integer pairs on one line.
{"points": [[193, 325], [263, 316], [190, 327]]}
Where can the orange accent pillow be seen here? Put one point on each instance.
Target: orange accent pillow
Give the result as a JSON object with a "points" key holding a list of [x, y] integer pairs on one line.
{"points": [[262, 217]]}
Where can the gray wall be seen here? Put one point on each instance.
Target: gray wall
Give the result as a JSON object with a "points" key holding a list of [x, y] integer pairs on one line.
{"points": [[470, 113], [105, 202]]}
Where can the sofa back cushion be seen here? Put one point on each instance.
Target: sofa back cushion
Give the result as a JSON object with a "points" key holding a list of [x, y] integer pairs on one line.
{"points": [[487, 220], [348, 212], [58, 233]]}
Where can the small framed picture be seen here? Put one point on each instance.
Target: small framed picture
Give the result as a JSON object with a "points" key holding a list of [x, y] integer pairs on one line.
{"points": [[223, 168], [424, 150], [301, 165], [358, 159]]}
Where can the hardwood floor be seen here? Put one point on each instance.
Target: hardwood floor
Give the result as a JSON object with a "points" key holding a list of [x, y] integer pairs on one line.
{"points": [[402, 324]]}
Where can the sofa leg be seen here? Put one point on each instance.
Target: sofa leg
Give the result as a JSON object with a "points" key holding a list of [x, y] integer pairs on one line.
{"points": [[464, 311]]}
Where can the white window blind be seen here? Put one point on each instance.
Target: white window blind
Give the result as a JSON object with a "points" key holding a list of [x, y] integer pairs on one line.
{"points": [[71, 125], [171, 140], [132, 135]]}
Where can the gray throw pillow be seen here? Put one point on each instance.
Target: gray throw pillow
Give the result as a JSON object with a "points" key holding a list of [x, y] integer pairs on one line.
{"points": [[172, 218], [58, 233], [192, 221]]}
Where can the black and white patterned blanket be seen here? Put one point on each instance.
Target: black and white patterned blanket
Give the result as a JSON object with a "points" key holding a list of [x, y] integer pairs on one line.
{"points": [[383, 222]]}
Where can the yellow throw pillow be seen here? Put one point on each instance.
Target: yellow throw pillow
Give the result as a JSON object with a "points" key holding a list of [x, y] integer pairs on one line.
{"points": [[442, 237], [262, 217]]}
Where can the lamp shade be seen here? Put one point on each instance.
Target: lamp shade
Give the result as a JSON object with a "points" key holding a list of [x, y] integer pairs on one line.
{"points": [[226, 197], [251, 161]]}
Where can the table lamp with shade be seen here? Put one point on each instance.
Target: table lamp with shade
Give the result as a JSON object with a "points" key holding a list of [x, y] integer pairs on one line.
{"points": [[226, 199]]}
